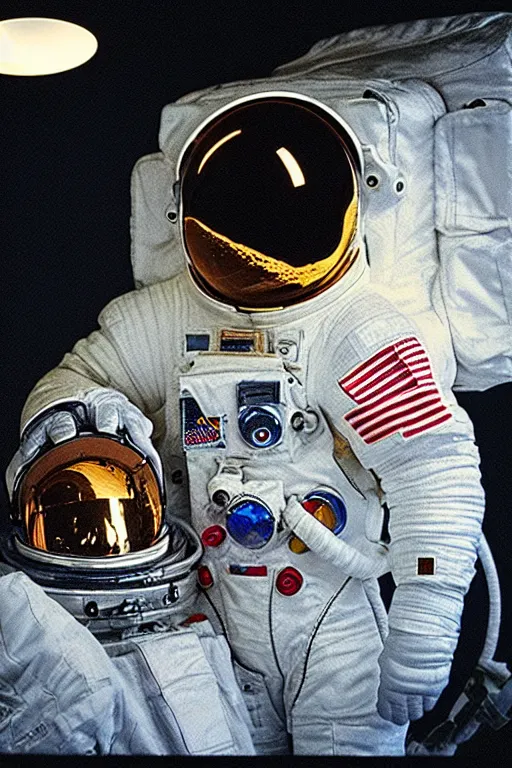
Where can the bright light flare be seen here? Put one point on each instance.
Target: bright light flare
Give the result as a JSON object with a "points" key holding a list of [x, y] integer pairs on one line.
{"points": [[215, 148], [292, 166], [40, 46], [115, 528]]}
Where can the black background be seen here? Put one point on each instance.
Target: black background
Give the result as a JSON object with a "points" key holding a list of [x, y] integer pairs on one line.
{"points": [[68, 143]]}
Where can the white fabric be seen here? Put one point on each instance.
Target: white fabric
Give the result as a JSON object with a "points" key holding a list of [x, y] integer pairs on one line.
{"points": [[61, 692], [155, 246], [460, 55], [415, 664], [475, 225], [431, 486]]}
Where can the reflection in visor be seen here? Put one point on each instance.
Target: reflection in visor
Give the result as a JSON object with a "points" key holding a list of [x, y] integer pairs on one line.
{"points": [[255, 281], [215, 147], [92, 507], [292, 166], [98, 528]]}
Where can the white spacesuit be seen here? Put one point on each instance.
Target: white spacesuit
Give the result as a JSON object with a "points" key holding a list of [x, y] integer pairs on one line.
{"points": [[301, 407], [102, 650]]}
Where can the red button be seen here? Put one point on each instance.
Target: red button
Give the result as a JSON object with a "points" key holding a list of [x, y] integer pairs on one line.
{"points": [[193, 619], [289, 581], [213, 536], [311, 505], [204, 577]]}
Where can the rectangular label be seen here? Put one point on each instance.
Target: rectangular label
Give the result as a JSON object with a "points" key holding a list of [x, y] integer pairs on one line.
{"points": [[248, 570], [241, 341]]}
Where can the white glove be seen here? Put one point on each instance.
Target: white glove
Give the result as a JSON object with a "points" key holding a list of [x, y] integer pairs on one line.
{"points": [[418, 652], [107, 411]]}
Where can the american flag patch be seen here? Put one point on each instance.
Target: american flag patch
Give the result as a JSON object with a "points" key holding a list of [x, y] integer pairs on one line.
{"points": [[395, 392]]}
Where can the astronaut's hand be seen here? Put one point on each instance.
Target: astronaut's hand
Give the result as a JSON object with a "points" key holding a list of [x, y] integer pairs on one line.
{"points": [[414, 672], [416, 660], [107, 410], [112, 413]]}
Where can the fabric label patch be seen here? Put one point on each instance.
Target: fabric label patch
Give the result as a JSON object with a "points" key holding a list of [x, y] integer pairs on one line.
{"points": [[248, 570], [198, 430], [241, 341], [197, 342], [426, 566], [395, 392]]}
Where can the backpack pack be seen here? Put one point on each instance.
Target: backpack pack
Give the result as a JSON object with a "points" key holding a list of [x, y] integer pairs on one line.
{"points": [[431, 103]]}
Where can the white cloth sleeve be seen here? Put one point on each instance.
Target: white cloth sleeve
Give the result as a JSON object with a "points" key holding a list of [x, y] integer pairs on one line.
{"points": [[428, 470], [125, 354]]}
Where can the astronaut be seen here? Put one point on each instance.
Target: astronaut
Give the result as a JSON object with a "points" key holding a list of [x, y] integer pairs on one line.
{"points": [[306, 426], [97, 588]]}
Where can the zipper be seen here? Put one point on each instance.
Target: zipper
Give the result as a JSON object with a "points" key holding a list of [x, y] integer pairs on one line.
{"points": [[312, 637], [271, 628]]}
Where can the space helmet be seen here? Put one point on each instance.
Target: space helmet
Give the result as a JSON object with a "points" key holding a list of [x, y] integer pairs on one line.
{"points": [[88, 524], [269, 201]]}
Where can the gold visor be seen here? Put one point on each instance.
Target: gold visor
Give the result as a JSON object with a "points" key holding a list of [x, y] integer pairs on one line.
{"points": [[91, 497], [251, 280]]}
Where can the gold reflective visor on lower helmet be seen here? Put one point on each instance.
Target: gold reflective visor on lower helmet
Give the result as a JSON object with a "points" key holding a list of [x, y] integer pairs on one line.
{"points": [[90, 497]]}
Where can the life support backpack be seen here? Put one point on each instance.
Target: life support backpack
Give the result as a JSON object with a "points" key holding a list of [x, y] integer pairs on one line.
{"points": [[431, 103]]}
